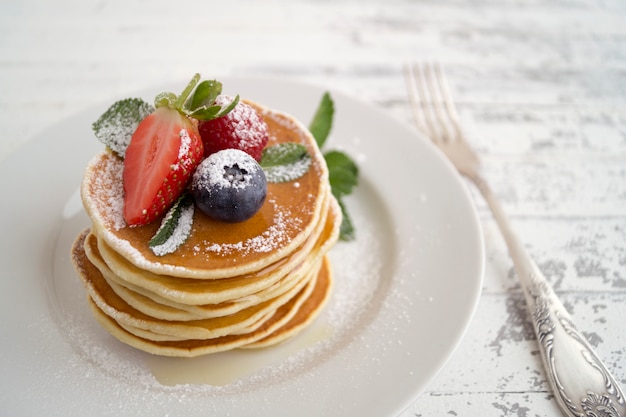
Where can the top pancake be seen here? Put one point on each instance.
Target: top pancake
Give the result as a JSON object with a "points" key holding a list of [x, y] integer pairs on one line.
{"points": [[216, 249]]}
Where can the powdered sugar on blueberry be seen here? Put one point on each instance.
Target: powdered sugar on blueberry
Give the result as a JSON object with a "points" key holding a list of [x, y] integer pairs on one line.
{"points": [[214, 169], [229, 185]]}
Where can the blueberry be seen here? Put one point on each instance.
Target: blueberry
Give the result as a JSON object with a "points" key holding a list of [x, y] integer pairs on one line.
{"points": [[229, 185]]}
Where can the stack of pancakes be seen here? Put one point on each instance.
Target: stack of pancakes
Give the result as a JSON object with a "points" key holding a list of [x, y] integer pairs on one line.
{"points": [[250, 284]]}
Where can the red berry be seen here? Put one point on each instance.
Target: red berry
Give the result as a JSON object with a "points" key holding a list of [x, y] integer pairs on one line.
{"points": [[242, 128], [160, 159]]}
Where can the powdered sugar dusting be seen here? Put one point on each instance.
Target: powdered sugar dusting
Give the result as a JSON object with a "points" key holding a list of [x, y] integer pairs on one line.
{"points": [[287, 122], [276, 235], [137, 257], [184, 162], [108, 190], [185, 144]]}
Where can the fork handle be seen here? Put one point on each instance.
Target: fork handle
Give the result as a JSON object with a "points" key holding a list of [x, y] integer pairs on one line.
{"points": [[581, 383]]}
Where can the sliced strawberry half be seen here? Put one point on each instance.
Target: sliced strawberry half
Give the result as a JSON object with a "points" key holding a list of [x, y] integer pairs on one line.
{"points": [[160, 159]]}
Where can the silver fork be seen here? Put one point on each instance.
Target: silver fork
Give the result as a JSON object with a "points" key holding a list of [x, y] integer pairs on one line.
{"points": [[581, 384]]}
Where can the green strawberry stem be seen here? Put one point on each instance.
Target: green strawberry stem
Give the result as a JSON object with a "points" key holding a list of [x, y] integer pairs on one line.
{"points": [[174, 102], [182, 98], [197, 100], [164, 100]]}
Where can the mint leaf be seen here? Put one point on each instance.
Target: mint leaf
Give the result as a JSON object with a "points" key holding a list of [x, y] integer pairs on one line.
{"points": [[343, 173], [346, 229], [285, 162], [213, 112], [182, 98], [206, 113], [197, 100], [205, 94], [282, 154], [117, 124], [322, 122], [228, 108], [175, 227]]}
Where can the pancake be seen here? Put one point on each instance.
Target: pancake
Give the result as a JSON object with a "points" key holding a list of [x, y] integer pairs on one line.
{"points": [[298, 310], [156, 306], [250, 284], [216, 249], [114, 306], [198, 292], [167, 310]]}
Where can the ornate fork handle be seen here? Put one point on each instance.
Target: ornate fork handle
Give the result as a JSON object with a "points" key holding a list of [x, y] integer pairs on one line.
{"points": [[582, 384]]}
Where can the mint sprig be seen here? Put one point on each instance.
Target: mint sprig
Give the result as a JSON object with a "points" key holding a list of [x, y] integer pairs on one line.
{"points": [[343, 172], [117, 124], [175, 227], [197, 100], [322, 122], [285, 162]]}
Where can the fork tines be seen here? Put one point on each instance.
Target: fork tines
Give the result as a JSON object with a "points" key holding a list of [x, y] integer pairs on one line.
{"points": [[433, 109]]}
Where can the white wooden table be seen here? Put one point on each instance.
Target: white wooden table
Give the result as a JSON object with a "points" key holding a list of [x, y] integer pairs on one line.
{"points": [[541, 88]]}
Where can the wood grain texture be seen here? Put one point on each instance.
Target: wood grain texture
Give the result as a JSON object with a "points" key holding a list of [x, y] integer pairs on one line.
{"points": [[541, 90]]}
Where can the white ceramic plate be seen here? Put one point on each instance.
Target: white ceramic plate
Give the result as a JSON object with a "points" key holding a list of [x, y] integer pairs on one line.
{"points": [[405, 290]]}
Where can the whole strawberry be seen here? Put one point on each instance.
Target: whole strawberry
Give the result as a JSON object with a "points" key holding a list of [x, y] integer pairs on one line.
{"points": [[165, 149], [242, 128]]}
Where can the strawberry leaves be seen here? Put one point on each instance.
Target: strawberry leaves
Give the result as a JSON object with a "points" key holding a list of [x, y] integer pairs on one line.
{"points": [[197, 100], [201, 104]]}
